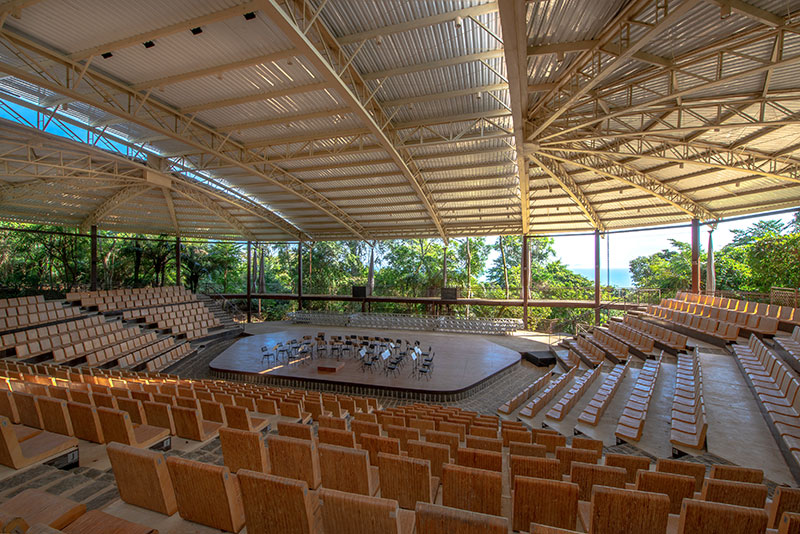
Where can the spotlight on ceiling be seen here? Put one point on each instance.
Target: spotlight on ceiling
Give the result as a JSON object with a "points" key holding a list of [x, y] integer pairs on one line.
{"points": [[379, 40], [196, 31], [459, 21], [148, 44], [106, 55], [249, 16]]}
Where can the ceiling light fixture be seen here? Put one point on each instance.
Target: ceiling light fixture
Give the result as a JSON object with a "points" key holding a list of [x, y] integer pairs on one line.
{"points": [[249, 16], [148, 44], [106, 55], [459, 21], [196, 31]]}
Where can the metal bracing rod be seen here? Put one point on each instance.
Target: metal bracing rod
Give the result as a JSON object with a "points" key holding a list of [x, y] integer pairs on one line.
{"points": [[570, 187], [119, 198]]}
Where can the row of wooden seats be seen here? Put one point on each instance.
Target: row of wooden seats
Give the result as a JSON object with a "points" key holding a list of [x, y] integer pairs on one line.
{"points": [[630, 336], [204, 320], [146, 353], [688, 421], [723, 330], [21, 301], [777, 388], [547, 394], [121, 348], [631, 422], [571, 397], [18, 341], [597, 406], [168, 358], [662, 335], [787, 314], [609, 344], [23, 317], [21, 310], [530, 390], [590, 353], [116, 335], [190, 331], [791, 344], [711, 319], [148, 313], [75, 296], [121, 299]]}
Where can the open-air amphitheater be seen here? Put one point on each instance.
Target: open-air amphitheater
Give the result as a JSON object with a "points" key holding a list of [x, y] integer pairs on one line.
{"points": [[143, 410]]}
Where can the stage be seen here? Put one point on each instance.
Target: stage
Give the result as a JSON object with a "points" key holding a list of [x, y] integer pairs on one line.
{"points": [[462, 364]]}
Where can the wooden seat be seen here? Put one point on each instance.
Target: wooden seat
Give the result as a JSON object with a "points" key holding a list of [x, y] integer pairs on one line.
{"points": [[335, 436], [117, 427], [55, 416], [160, 415], [28, 409], [480, 459], [737, 474], [402, 433], [189, 424], [679, 467], [142, 478], [534, 467], [551, 441], [38, 506], [445, 438], [277, 505], [619, 511], [676, 487], [240, 418], [243, 449], [527, 449], [631, 464], [296, 430], [134, 409], [327, 421], [347, 469], [347, 513], [35, 449], [359, 428], [377, 444], [294, 458], [207, 494], [97, 521], [784, 500], [472, 489], [518, 435], [698, 517], [435, 519], [586, 476], [789, 523], [486, 444], [437, 454], [406, 480], [548, 502], [569, 455], [8, 408], [735, 493]]}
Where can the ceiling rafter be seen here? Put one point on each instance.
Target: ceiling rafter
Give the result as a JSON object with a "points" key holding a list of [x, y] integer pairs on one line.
{"points": [[171, 207], [445, 95], [570, 186], [203, 201], [119, 198], [257, 97], [431, 65]]}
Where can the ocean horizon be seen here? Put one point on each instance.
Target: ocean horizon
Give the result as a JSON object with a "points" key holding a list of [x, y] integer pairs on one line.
{"points": [[619, 277]]}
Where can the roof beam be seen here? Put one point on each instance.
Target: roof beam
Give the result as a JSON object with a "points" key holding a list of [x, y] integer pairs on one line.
{"points": [[166, 31], [751, 11], [420, 67], [258, 97], [430, 121], [602, 73], [642, 181], [414, 24], [570, 187], [560, 48], [202, 200], [512, 21], [298, 38], [260, 123], [441, 96], [126, 194], [216, 70], [15, 7], [171, 208]]}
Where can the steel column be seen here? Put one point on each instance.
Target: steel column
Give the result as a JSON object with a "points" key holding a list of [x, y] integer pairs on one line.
{"points": [[597, 277], [178, 261], [695, 256], [249, 287], [526, 279], [300, 275], [93, 274]]}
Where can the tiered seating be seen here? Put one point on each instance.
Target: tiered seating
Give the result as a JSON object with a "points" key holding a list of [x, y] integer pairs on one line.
{"points": [[119, 341], [786, 315], [663, 338], [168, 358], [614, 349], [124, 299], [397, 321], [791, 345], [14, 314], [517, 400], [631, 336], [591, 354], [689, 424], [597, 406], [631, 422], [547, 394], [35, 341], [571, 397], [192, 318], [776, 387]]}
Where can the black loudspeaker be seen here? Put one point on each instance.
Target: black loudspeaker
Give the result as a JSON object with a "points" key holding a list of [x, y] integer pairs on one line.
{"points": [[360, 292], [449, 293]]}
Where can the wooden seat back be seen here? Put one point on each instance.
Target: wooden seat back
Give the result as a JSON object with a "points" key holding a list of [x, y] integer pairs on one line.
{"points": [[483, 431], [586, 476], [436, 519], [348, 513], [8, 408], [295, 430], [680, 467], [55, 415], [85, 422], [569, 455], [134, 409], [619, 511], [676, 487], [346, 469], [334, 436], [423, 425], [207, 494], [437, 454], [359, 428], [116, 425], [527, 449], [402, 433], [142, 478], [243, 449], [486, 444], [213, 411], [377, 444], [160, 415], [551, 441], [631, 464], [276, 505], [699, 517], [547, 502], [445, 438], [789, 523], [785, 499], [480, 459], [294, 458], [406, 480], [188, 423], [510, 434], [472, 489], [28, 409], [534, 467], [735, 493], [586, 443], [328, 421], [737, 474], [237, 417]]}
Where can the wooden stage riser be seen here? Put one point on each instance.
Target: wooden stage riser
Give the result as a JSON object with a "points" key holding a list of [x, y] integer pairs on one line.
{"points": [[353, 389]]}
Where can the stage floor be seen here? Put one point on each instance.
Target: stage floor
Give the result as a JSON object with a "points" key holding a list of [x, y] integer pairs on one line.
{"points": [[461, 362]]}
